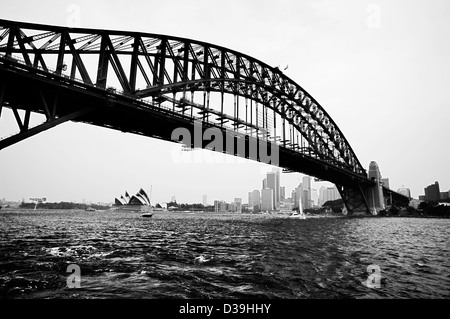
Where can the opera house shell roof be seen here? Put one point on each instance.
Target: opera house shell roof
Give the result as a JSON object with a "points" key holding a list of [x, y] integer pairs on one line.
{"points": [[139, 199]]}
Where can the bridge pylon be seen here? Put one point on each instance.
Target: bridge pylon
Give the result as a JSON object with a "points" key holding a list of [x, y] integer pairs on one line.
{"points": [[364, 197], [375, 194]]}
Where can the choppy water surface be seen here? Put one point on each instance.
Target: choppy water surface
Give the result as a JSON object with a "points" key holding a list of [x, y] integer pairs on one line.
{"points": [[122, 255]]}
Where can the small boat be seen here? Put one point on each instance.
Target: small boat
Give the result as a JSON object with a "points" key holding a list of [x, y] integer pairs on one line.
{"points": [[299, 212], [148, 214], [298, 215]]}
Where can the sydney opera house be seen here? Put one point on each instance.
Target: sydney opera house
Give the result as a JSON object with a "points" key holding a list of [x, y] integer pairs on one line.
{"points": [[138, 202]]}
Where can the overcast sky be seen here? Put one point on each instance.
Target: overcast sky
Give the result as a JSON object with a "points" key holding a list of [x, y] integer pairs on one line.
{"points": [[380, 69]]}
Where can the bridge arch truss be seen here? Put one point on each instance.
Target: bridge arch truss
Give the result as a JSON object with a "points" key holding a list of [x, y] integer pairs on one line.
{"points": [[192, 79]]}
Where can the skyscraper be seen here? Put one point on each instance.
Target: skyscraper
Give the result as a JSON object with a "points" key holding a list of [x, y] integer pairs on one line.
{"points": [[273, 182], [432, 192], [328, 194], [297, 196], [267, 199], [306, 192], [256, 198], [282, 193], [277, 188], [205, 200], [238, 202]]}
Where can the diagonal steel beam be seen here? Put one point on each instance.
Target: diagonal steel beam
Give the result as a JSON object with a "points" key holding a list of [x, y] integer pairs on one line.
{"points": [[2, 96], [78, 61], [117, 65], [22, 46], [40, 128]]}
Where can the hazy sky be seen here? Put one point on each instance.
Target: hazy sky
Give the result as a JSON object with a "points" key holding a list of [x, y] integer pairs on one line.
{"points": [[381, 70]]}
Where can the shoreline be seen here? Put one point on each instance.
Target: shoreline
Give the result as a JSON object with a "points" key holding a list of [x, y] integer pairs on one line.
{"points": [[168, 213]]}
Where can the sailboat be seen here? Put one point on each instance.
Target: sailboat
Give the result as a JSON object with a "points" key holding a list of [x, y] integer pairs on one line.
{"points": [[149, 210], [298, 213]]}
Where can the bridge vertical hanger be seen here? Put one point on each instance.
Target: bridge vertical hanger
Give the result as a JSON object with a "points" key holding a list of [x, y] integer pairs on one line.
{"points": [[102, 69], [162, 62], [134, 64]]}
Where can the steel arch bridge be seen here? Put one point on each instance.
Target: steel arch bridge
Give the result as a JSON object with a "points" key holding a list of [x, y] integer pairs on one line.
{"points": [[151, 84]]}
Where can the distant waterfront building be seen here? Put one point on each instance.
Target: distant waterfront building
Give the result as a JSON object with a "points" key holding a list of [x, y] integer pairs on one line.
{"points": [[273, 182], [216, 206], [205, 200], [404, 191], [422, 198], [314, 197], [328, 194], [432, 192], [238, 203], [282, 193], [219, 206], [267, 199], [297, 196], [131, 203], [445, 195], [173, 199], [306, 192], [256, 201]]}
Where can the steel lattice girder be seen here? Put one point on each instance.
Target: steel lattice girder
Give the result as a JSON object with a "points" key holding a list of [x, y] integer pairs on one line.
{"points": [[170, 65]]}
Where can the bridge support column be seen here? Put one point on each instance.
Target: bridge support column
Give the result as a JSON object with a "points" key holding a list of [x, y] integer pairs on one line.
{"points": [[375, 194]]}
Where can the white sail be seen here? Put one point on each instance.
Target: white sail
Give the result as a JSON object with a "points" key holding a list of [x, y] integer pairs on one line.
{"points": [[300, 206]]}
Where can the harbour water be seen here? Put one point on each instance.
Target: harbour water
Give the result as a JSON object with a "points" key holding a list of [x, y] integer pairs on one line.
{"points": [[180, 255]]}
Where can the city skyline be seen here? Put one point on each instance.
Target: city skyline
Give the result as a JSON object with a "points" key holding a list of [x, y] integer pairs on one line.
{"points": [[75, 161]]}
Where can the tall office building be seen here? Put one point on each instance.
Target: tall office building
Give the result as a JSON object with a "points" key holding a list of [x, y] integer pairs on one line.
{"points": [[267, 199], [328, 194], [205, 200], [238, 203], [256, 201], [293, 195], [314, 197], [218, 206], [297, 196], [273, 182], [277, 188], [306, 192], [282, 193], [432, 192]]}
